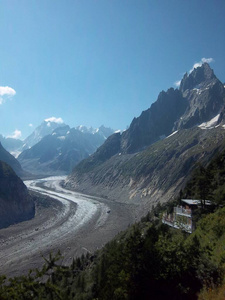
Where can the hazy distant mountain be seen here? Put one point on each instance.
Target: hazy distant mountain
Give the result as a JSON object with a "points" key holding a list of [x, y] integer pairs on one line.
{"points": [[60, 151], [151, 160], [105, 132], [46, 127], [11, 144], [16, 205], [11, 161]]}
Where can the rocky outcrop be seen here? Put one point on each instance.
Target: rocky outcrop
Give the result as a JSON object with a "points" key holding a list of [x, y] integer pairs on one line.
{"points": [[200, 75], [205, 95], [16, 204]]}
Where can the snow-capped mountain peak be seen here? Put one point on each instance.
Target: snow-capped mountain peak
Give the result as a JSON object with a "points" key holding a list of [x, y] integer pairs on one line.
{"points": [[102, 130], [46, 127]]}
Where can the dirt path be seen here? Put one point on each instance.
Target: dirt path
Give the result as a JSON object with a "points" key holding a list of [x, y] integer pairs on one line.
{"points": [[71, 222]]}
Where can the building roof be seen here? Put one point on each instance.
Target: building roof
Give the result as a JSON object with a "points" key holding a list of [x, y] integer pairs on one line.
{"points": [[195, 202]]}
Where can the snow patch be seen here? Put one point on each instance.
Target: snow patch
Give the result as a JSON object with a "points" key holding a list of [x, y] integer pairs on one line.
{"points": [[62, 138], [198, 91], [172, 134], [210, 124], [15, 153]]}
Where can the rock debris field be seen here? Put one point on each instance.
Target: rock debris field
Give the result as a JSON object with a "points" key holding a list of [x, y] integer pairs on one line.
{"points": [[71, 222]]}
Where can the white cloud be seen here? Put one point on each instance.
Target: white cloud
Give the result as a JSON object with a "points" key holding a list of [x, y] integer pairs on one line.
{"points": [[202, 61], [177, 83], [16, 134], [55, 120], [6, 92], [30, 125]]}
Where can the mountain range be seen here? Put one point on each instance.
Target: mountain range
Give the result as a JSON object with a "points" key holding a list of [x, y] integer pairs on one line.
{"points": [[46, 127], [149, 162], [152, 159], [58, 152]]}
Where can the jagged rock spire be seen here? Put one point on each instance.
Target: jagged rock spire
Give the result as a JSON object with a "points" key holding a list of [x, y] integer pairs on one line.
{"points": [[201, 74]]}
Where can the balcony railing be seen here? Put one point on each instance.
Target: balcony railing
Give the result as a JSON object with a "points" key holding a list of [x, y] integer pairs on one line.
{"points": [[182, 211]]}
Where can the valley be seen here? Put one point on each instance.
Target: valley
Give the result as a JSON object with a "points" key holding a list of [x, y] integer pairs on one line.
{"points": [[71, 222], [115, 180]]}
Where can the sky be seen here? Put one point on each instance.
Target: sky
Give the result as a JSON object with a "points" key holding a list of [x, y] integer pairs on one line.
{"points": [[94, 62]]}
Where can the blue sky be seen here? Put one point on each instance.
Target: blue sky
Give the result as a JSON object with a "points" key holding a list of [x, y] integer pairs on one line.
{"points": [[99, 62]]}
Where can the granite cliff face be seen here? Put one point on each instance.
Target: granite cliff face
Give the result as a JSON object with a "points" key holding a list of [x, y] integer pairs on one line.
{"points": [[205, 95], [201, 75], [155, 123], [16, 205]]}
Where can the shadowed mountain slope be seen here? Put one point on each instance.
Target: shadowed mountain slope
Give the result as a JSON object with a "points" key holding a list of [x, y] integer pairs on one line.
{"points": [[12, 161], [16, 205]]}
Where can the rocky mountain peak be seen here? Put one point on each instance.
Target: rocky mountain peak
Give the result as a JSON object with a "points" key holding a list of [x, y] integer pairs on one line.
{"points": [[205, 95], [154, 123], [199, 75], [46, 127], [102, 130]]}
